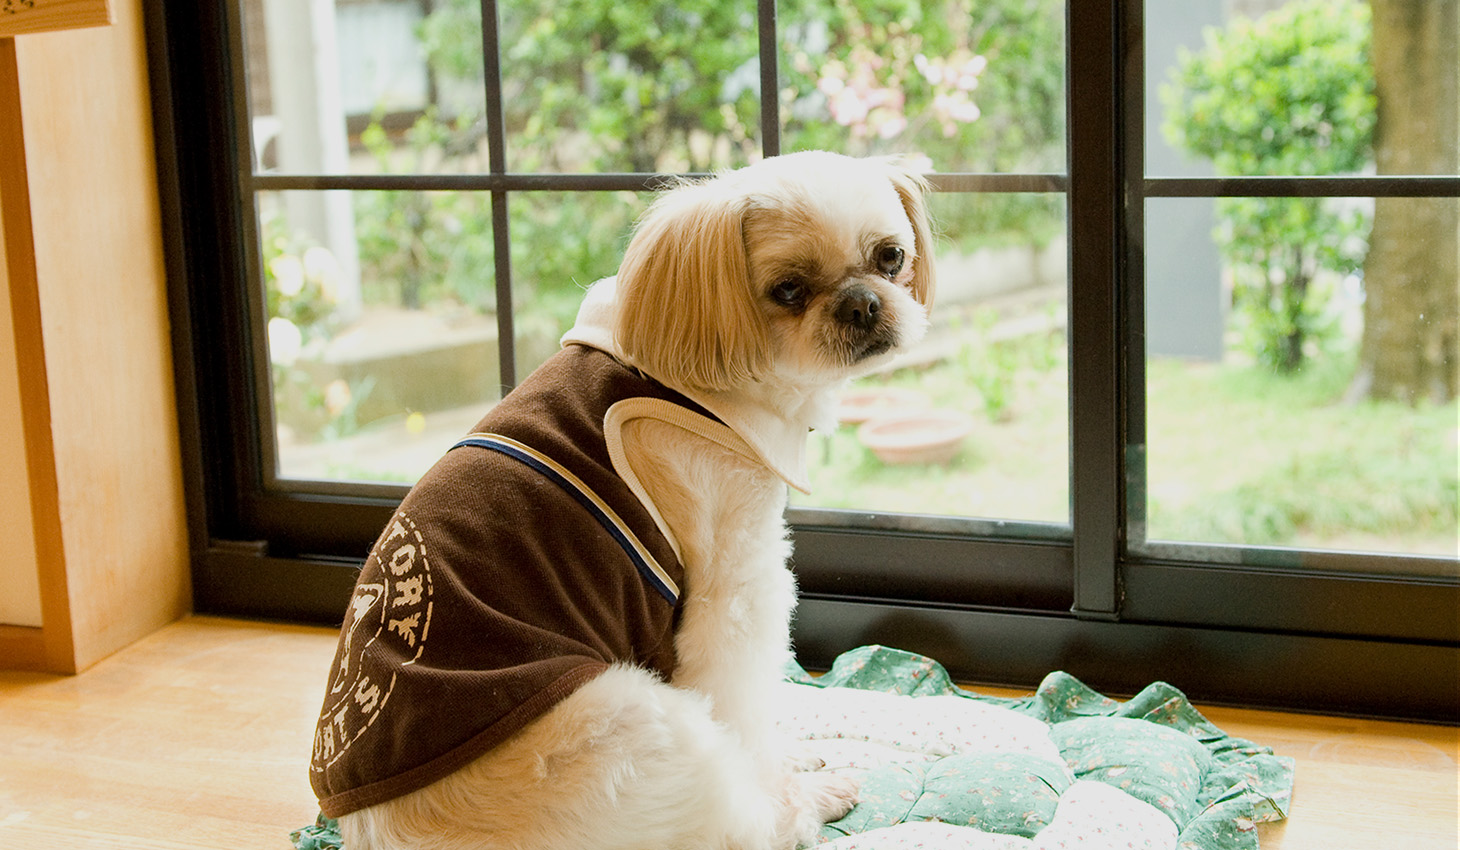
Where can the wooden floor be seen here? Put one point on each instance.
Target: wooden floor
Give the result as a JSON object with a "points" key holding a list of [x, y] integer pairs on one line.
{"points": [[197, 737]]}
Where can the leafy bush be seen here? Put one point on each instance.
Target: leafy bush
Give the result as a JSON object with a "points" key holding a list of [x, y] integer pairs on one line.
{"points": [[419, 247], [1291, 93]]}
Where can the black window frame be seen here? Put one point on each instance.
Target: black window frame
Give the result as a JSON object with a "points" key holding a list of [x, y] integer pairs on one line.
{"points": [[1317, 631]]}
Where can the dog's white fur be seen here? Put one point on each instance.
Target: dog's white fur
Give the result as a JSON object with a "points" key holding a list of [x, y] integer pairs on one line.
{"points": [[630, 761]]}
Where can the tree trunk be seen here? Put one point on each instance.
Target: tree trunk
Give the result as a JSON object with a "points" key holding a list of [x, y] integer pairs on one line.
{"points": [[1293, 310], [1411, 279]]}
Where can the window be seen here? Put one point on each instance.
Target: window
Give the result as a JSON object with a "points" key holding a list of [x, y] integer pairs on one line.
{"points": [[375, 237], [1289, 441]]}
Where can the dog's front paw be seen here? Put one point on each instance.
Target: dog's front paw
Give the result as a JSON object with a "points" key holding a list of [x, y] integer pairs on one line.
{"points": [[829, 795], [812, 799], [801, 758]]}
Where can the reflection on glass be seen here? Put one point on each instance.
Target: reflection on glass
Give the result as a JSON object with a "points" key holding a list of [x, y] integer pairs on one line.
{"points": [[640, 87], [967, 86], [1325, 417], [377, 360], [995, 361], [1309, 87], [386, 86]]}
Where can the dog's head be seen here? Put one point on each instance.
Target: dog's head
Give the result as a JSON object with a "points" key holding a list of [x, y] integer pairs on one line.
{"points": [[811, 266]]}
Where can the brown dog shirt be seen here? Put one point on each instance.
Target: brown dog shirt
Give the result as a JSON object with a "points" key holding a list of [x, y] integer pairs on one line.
{"points": [[498, 588]]}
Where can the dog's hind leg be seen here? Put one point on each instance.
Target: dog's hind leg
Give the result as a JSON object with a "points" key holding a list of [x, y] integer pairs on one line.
{"points": [[627, 762]]}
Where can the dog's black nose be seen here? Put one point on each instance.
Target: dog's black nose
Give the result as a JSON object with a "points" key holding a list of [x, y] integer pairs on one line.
{"points": [[858, 308]]}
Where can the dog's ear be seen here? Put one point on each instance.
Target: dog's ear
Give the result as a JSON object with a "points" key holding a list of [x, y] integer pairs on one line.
{"points": [[913, 188], [686, 312]]}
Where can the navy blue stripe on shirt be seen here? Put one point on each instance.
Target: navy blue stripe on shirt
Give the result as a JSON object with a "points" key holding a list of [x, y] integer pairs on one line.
{"points": [[642, 560]]}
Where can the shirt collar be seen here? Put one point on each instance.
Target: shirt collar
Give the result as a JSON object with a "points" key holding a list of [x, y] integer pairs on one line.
{"points": [[779, 442]]}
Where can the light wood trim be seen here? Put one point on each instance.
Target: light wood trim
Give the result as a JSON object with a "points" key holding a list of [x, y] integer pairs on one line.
{"points": [[30, 355], [33, 16]]}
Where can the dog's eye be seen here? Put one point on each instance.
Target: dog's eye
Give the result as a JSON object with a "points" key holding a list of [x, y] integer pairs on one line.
{"points": [[790, 292], [889, 260]]}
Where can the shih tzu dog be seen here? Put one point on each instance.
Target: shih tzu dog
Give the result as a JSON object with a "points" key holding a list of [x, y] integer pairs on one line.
{"points": [[568, 634]]}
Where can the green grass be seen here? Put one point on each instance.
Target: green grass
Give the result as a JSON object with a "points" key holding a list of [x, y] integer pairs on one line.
{"points": [[1235, 455], [1240, 455]]}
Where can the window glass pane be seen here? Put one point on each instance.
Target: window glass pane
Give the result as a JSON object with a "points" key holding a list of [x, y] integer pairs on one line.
{"points": [[994, 364], [364, 86], [1301, 373], [973, 87], [639, 87], [1300, 352], [382, 343], [674, 87], [1307, 87]]}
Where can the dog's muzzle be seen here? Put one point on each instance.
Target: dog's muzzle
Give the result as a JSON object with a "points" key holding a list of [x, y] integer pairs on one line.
{"points": [[859, 308], [863, 327]]}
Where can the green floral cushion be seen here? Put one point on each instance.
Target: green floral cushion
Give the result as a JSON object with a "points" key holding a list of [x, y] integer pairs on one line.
{"points": [[1155, 748], [1067, 767]]}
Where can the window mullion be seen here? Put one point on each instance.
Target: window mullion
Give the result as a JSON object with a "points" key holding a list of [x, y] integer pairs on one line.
{"points": [[1131, 281], [497, 160], [770, 79], [1095, 190]]}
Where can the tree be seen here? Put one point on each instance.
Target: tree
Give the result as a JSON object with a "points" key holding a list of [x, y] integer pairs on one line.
{"points": [[1290, 93], [1408, 351]]}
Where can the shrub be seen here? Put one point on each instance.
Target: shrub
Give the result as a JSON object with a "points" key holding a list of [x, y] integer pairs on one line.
{"points": [[1291, 93]]}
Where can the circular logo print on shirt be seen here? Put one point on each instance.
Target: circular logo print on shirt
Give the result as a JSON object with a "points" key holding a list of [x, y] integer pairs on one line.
{"points": [[385, 628]]}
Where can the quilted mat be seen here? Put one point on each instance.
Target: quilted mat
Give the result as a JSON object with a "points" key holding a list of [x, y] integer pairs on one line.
{"points": [[943, 767]]}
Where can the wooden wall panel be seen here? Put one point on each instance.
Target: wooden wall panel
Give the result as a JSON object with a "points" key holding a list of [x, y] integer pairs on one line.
{"points": [[20, 603], [46, 555], [101, 292]]}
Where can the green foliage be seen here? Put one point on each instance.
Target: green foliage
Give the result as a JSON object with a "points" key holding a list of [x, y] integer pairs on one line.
{"points": [[422, 247], [629, 86], [661, 86], [1236, 455], [452, 38], [992, 366], [1013, 465], [962, 86], [1288, 93], [1287, 256], [1291, 93], [970, 86], [604, 86], [597, 85], [301, 281], [562, 242]]}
